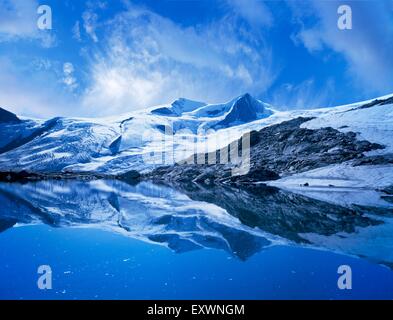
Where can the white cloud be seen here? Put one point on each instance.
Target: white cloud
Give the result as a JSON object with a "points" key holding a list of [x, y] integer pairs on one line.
{"points": [[76, 31], [310, 38], [367, 48], [143, 59], [69, 80], [90, 23], [304, 95], [18, 17], [254, 11], [148, 59], [19, 21], [33, 94]]}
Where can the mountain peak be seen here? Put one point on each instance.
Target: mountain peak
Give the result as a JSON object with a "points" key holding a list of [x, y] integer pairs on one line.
{"points": [[246, 96], [182, 100], [245, 109], [6, 116], [186, 105], [178, 107]]}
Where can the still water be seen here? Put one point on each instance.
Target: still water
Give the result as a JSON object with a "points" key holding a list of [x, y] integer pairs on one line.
{"points": [[112, 240]]}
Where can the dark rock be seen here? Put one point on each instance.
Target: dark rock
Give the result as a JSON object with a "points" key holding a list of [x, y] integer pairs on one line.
{"points": [[16, 176], [256, 175], [374, 160], [376, 102], [131, 175], [126, 120], [277, 150], [7, 224], [8, 117]]}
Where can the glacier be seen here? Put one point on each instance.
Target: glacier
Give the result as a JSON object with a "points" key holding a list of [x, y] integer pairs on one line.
{"points": [[118, 144]]}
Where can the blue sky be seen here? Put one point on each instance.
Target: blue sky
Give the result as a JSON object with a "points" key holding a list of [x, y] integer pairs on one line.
{"points": [[109, 57]]}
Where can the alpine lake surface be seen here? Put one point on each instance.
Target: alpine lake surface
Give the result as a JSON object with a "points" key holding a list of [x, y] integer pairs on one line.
{"points": [[106, 239]]}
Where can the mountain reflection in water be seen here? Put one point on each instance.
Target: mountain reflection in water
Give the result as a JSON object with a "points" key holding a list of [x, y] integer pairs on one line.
{"points": [[189, 217]]}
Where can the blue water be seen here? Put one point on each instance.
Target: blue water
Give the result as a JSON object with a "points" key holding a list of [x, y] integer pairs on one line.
{"points": [[94, 264], [94, 261]]}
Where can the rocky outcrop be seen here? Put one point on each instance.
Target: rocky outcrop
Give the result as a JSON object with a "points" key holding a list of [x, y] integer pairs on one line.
{"points": [[17, 176], [376, 102], [374, 160], [8, 117], [278, 150]]}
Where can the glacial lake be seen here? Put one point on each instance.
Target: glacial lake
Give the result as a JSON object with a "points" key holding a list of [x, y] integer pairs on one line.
{"points": [[113, 240]]}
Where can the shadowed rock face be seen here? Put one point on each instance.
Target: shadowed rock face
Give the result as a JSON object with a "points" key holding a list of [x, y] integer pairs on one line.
{"points": [[277, 150], [7, 223], [8, 117], [245, 109], [376, 102], [183, 217], [286, 148], [28, 135], [374, 160]]}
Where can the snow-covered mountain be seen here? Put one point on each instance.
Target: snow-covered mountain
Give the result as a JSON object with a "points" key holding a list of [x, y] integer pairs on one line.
{"points": [[336, 148], [122, 143]]}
